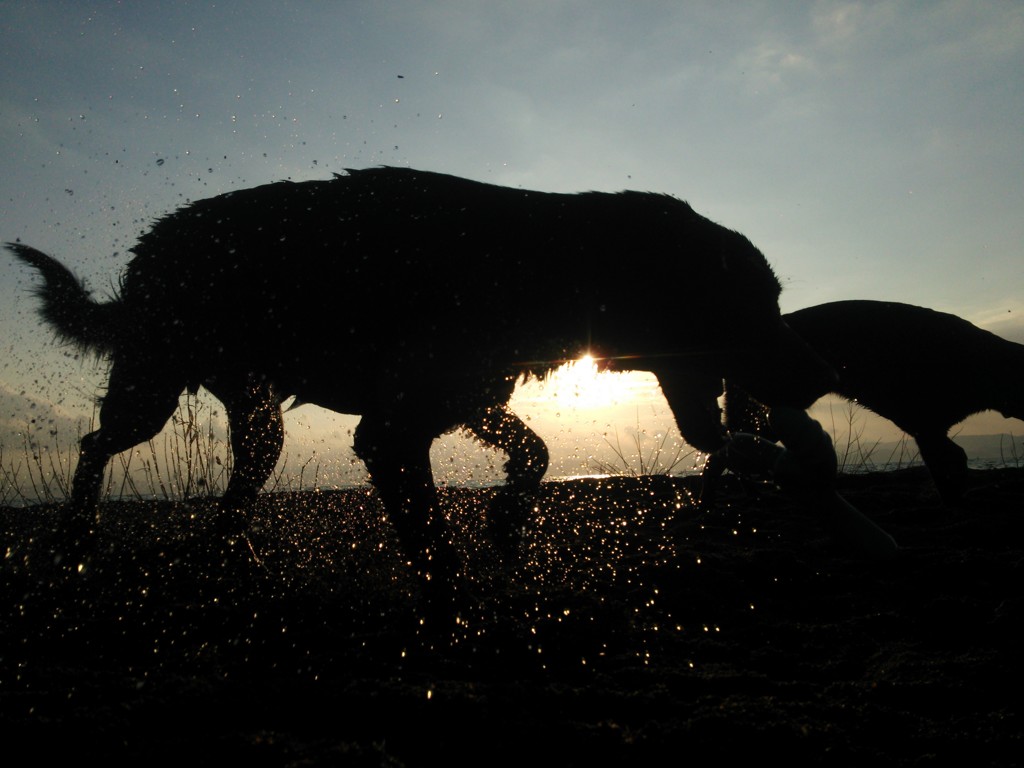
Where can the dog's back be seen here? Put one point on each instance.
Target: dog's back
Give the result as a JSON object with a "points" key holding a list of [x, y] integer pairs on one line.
{"points": [[919, 368]]}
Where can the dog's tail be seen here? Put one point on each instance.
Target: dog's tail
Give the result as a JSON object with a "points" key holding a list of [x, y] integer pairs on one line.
{"points": [[67, 306]]}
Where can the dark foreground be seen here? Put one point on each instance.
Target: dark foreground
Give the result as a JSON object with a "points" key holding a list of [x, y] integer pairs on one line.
{"points": [[633, 626]]}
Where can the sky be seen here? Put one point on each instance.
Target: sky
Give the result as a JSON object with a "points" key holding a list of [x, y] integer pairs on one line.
{"points": [[869, 149]]}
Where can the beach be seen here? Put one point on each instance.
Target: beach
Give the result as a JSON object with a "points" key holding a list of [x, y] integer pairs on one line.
{"points": [[631, 625]]}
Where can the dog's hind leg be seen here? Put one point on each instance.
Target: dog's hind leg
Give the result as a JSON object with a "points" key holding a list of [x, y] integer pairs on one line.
{"points": [[947, 463], [138, 402], [256, 431], [527, 462]]}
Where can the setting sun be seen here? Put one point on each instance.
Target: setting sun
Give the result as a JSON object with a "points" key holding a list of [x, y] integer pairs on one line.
{"points": [[582, 384]]}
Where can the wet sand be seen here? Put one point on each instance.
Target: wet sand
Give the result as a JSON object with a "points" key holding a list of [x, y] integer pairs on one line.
{"points": [[632, 625]]}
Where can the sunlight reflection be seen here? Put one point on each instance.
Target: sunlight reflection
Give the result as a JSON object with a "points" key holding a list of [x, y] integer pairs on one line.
{"points": [[582, 384]]}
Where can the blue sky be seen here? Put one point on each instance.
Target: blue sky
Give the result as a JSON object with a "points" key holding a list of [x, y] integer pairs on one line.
{"points": [[871, 150]]}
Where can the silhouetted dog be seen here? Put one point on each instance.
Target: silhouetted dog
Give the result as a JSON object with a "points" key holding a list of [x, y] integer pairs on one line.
{"points": [[923, 370], [416, 300]]}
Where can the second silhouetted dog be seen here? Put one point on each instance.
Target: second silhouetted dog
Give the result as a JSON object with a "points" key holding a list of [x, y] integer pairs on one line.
{"points": [[923, 370]]}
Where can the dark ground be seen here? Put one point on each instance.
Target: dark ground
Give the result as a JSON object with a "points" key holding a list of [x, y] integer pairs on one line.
{"points": [[635, 626]]}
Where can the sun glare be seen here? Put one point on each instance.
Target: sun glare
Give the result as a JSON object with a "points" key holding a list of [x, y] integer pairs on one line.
{"points": [[582, 384]]}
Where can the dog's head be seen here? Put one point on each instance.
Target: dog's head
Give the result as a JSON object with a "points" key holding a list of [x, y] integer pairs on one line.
{"points": [[780, 369]]}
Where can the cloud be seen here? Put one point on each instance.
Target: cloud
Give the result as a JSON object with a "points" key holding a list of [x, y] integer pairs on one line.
{"points": [[1006, 320], [28, 420]]}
